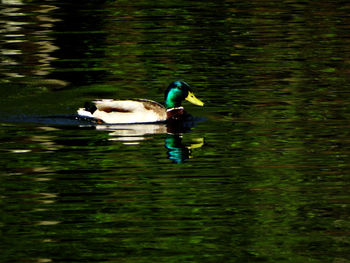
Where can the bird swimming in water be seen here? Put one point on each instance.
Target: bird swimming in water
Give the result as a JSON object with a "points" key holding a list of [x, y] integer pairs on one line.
{"points": [[142, 110]]}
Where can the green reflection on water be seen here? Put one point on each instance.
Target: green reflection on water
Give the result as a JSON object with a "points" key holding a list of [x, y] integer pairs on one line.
{"points": [[269, 183]]}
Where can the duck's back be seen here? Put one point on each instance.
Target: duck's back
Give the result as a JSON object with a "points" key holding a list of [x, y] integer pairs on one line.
{"points": [[126, 111]]}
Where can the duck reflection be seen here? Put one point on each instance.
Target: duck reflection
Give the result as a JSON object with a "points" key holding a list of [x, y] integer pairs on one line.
{"points": [[133, 133], [178, 152]]}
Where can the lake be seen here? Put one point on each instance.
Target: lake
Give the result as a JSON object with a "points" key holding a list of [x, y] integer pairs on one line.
{"points": [[260, 174]]}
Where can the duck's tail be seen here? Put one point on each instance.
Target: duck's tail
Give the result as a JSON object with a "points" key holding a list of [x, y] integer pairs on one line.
{"points": [[88, 110]]}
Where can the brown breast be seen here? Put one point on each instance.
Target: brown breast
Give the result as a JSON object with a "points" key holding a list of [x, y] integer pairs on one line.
{"points": [[175, 114]]}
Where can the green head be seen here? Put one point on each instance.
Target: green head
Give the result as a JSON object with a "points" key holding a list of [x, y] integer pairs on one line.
{"points": [[177, 92]]}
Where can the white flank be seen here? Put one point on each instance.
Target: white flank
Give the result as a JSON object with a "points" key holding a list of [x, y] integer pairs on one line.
{"points": [[135, 112]]}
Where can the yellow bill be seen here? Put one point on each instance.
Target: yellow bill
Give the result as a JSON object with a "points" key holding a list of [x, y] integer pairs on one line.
{"points": [[191, 98]]}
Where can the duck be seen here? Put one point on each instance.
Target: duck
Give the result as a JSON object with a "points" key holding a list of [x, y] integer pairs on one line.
{"points": [[111, 111]]}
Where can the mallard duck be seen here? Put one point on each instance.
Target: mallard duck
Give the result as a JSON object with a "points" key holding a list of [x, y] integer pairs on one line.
{"points": [[141, 110]]}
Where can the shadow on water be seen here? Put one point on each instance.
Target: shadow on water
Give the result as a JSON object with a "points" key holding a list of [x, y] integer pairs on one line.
{"points": [[131, 134]]}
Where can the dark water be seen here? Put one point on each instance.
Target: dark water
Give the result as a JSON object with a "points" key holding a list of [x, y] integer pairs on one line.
{"points": [[261, 175]]}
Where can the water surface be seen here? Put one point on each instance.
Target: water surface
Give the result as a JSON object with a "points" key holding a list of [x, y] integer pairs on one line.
{"points": [[261, 175]]}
